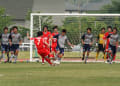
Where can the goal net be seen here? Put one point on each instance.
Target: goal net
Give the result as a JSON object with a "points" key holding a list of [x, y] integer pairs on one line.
{"points": [[76, 25]]}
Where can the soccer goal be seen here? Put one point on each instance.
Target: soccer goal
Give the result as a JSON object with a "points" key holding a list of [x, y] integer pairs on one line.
{"points": [[76, 25]]}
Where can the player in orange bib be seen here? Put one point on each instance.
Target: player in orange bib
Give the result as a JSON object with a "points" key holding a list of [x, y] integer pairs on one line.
{"points": [[54, 42], [107, 40], [46, 36]]}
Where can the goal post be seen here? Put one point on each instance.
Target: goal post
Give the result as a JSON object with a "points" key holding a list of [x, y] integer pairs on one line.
{"points": [[59, 14]]}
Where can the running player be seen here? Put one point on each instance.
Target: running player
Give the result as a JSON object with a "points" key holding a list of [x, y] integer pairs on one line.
{"points": [[41, 46], [5, 44], [46, 36], [100, 42], [107, 40], [61, 40], [87, 41], [15, 40], [54, 42], [113, 43]]}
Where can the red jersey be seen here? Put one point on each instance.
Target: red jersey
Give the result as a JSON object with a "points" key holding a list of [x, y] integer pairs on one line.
{"points": [[47, 36], [53, 34], [108, 40], [54, 40], [39, 42]]}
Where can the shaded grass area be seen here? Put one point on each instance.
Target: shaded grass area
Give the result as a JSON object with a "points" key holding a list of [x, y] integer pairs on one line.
{"points": [[67, 74]]}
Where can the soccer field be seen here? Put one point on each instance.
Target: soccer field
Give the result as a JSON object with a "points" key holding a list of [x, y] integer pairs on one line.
{"points": [[66, 74]]}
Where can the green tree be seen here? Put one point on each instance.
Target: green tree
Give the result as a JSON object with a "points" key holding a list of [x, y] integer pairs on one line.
{"points": [[4, 19], [114, 7]]}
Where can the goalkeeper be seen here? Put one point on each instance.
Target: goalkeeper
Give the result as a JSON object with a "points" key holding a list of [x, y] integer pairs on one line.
{"points": [[100, 43]]}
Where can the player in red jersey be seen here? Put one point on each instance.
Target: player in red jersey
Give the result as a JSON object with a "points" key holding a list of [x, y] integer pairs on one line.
{"points": [[41, 46], [107, 40], [54, 42], [46, 36]]}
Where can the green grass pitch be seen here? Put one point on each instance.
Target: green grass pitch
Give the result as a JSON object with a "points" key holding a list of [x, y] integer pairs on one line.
{"points": [[66, 74]]}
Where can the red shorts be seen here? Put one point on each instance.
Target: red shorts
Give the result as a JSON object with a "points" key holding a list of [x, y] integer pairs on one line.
{"points": [[43, 52], [53, 49]]}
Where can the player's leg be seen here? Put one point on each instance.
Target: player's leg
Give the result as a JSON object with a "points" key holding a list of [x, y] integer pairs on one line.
{"points": [[12, 52], [114, 50], [3, 48], [114, 53], [57, 52], [88, 51], [103, 50], [8, 56], [7, 51], [45, 53], [43, 60], [16, 52], [98, 50], [110, 54], [53, 52], [84, 51]]}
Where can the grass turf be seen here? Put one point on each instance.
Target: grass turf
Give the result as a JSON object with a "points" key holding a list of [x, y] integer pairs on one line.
{"points": [[67, 74], [26, 54]]}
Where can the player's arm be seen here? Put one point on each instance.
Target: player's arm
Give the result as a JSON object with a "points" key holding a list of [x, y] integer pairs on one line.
{"points": [[68, 42], [91, 41], [20, 40], [97, 39], [0, 38], [82, 39], [28, 36], [117, 43]]}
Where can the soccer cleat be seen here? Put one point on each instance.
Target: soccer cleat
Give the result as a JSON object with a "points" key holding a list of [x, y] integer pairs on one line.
{"points": [[10, 61], [82, 58], [43, 63], [57, 62]]}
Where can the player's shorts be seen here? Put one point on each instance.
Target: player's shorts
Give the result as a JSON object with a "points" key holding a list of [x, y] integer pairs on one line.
{"points": [[53, 48], [113, 49], [60, 49], [86, 47], [14, 47], [4, 47], [101, 48], [43, 52]]}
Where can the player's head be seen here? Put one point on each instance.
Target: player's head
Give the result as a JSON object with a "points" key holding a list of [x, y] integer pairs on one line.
{"points": [[45, 28], [11, 30], [64, 31], [5, 29], [103, 30], [109, 28], [55, 29], [89, 30], [115, 30], [15, 29], [40, 33]]}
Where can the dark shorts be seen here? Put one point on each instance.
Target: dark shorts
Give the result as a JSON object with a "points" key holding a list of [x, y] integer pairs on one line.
{"points": [[113, 49], [14, 47], [86, 47], [101, 48], [4, 47], [60, 49]]}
